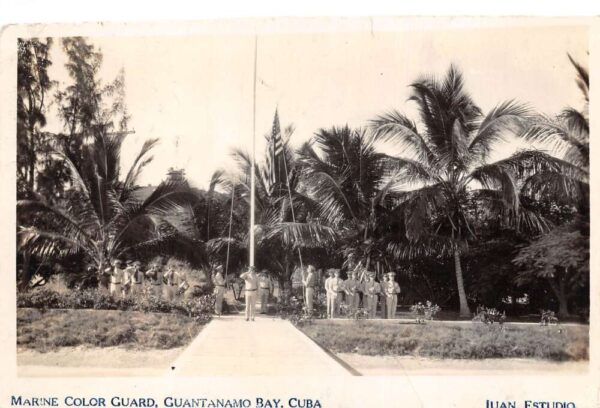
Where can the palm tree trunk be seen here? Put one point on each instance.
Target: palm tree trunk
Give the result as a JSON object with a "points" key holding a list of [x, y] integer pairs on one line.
{"points": [[561, 295], [26, 273], [462, 296]]}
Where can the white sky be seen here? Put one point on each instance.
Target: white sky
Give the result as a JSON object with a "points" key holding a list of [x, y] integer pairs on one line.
{"points": [[195, 92]]}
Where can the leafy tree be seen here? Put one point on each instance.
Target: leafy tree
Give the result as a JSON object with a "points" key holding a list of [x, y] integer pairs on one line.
{"points": [[561, 258], [86, 106], [444, 177], [33, 85], [102, 218]]}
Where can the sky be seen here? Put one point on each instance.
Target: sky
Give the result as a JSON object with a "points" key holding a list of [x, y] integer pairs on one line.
{"points": [[195, 92]]}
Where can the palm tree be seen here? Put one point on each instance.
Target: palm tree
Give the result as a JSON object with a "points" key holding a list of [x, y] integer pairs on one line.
{"points": [[284, 222], [102, 216], [568, 136], [444, 171], [345, 176]]}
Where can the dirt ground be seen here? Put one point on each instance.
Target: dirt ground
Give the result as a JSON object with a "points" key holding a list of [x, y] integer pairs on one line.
{"points": [[392, 365], [121, 362], [95, 362]]}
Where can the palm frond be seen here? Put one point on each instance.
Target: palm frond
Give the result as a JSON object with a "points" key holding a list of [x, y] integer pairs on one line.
{"points": [[555, 134], [396, 127], [136, 168], [47, 244], [69, 226], [303, 235], [509, 116], [583, 77]]}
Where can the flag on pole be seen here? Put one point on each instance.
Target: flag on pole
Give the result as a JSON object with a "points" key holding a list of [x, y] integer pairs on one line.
{"points": [[275, 156]]}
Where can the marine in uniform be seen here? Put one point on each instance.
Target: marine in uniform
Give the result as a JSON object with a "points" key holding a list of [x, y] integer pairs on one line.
{"points": [[137, 279], [371, 290], [127, 278], [265, 288], [351, 286], [219, 283], [309, 282], [392, 289], [116, 279], [181, 283], [250, 288], [338, 288], [330, 293], [384, 295], [154, 276], [170, 286]]}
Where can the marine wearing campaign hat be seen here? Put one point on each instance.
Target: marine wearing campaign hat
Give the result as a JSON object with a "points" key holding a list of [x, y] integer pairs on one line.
{"points": [[250, 287], [136, 279]]}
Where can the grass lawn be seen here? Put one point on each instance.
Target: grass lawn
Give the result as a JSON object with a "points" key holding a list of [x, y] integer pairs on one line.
{"points": [[460, 341], [55, 328]]}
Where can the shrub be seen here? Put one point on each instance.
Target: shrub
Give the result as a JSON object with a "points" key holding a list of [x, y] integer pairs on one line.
{"points": [[548, 317], [425, 311], [199, 307], [489, 315]]}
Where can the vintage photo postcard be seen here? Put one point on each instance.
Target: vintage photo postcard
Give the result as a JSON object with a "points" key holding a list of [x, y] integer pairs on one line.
{"points": [[300, 212]]}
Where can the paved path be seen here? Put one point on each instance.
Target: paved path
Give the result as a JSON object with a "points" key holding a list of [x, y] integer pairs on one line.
{"points": [[230, 346]]}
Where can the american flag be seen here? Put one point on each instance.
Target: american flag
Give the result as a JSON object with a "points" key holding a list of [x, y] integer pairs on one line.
{"points": [[275, 156]]}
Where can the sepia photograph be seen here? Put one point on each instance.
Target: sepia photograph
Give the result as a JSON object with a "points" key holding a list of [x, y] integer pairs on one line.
{"points": [[404, 199]]}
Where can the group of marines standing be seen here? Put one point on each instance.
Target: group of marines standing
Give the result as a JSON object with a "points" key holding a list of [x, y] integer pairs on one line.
{"points": [[349, 291], [338, 291], [132, 281]]}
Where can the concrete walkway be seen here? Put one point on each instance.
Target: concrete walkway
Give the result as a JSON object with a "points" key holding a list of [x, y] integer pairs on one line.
{"points": [[231, 346]]}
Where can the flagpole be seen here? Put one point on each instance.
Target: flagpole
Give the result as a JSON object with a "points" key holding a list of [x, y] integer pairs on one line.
{"points": [[252, 170]]}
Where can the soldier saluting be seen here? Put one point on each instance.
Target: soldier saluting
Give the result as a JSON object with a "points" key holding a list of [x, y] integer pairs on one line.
{"points": [[170, 282], [250, 287], [155, 277], [116, 278], [137, 279]]}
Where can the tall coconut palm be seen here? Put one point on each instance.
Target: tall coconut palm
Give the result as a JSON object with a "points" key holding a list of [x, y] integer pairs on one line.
{"points": [[345, 176], [445, 167], [568, 136], [103, 217], [284, 213]]}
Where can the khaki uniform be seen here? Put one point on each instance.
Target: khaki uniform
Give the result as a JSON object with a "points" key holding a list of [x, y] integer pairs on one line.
{"points": [[384, 295], [371, 290], [127, 280], [334, 287], [392, 289], [170, 287], [155, 280], [351, 287], [116, 281], [220, 289], [136, 282], [309, 289], [265, 287], [250, 287]]}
